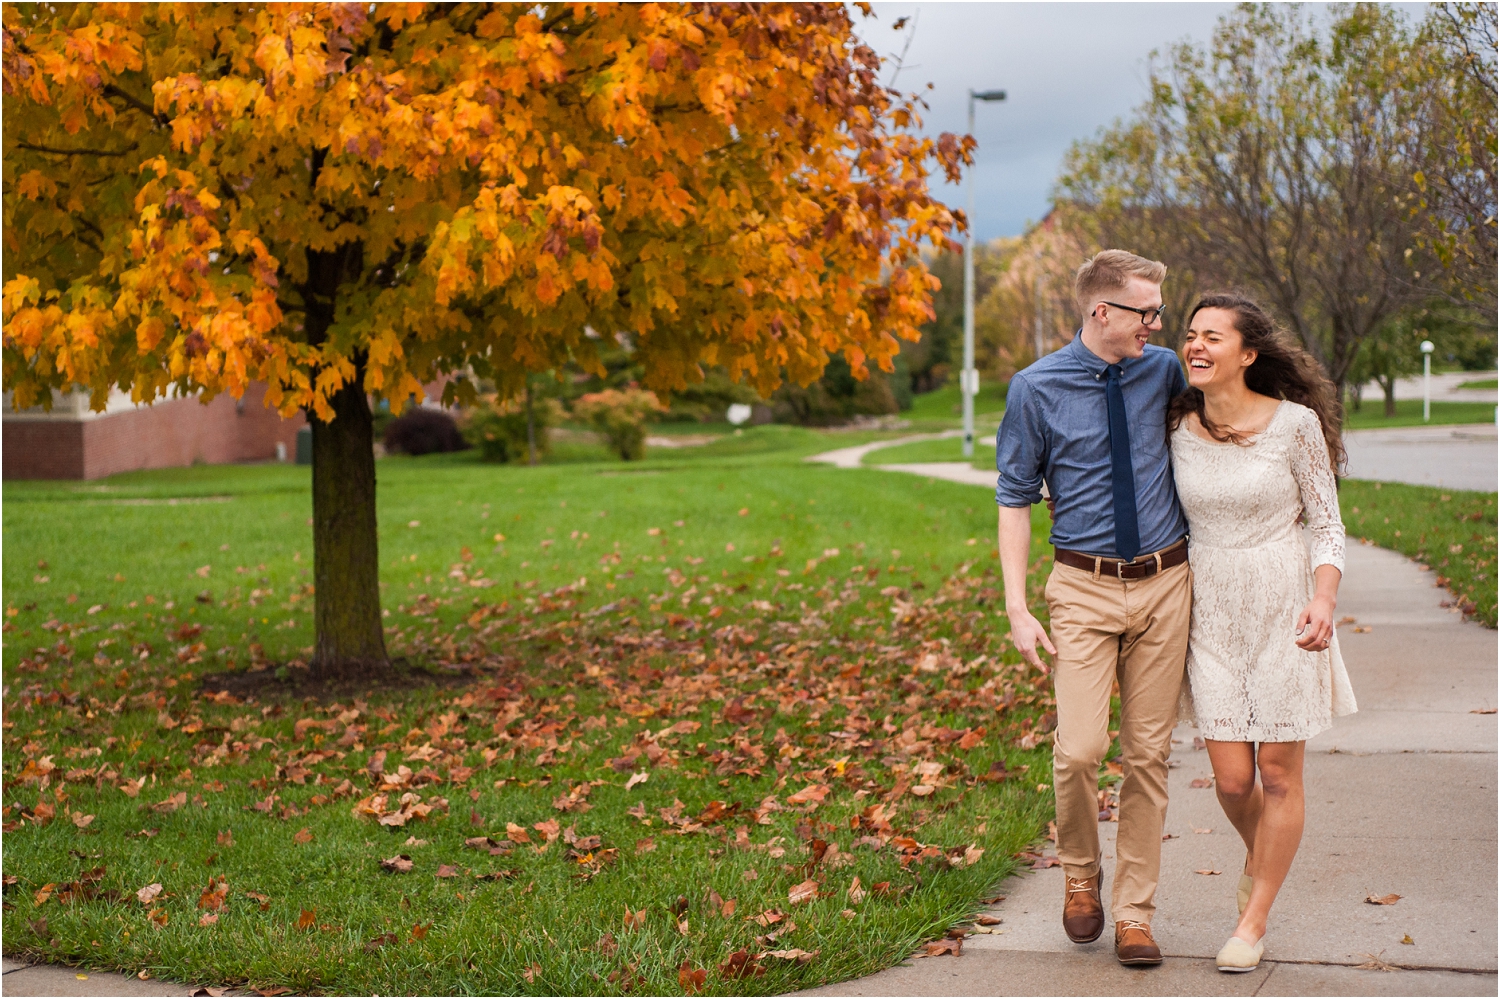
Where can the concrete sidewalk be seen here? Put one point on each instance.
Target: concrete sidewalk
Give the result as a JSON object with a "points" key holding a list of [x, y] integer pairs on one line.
{"points": [[1400, 799]]}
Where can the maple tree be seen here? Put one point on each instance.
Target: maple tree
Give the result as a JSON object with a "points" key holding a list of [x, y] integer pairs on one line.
{"points": [[348, 201]]}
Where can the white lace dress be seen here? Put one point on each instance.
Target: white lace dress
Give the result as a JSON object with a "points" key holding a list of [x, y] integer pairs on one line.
{"points": [[1252, 575]]}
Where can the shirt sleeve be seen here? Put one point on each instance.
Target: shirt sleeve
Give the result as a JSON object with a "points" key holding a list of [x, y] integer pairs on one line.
{"points": [[1313, 471], [1020, 448]]}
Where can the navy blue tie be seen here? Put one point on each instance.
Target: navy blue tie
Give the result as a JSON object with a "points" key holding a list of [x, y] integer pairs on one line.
{"points": [[1127, 529]]}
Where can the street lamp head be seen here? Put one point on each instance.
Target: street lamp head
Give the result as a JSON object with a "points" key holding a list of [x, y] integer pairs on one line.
{"points": [[987, 95], [1427, 347]]}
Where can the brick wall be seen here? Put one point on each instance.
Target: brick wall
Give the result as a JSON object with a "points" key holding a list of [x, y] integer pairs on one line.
{"points": [[169, 434]]}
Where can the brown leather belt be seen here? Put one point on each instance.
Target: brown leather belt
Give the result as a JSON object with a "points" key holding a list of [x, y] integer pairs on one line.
{"points": [[1144, 566]]}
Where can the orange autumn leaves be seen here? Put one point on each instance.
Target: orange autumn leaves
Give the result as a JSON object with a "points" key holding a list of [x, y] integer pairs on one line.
{"points": [[307, 194]]}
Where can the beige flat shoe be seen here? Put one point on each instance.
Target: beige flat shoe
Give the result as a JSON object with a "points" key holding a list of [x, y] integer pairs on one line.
{"points": [[1238, 956], [1242, 896]]}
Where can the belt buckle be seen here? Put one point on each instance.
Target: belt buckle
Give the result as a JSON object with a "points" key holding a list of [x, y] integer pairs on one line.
{"points": [[1120, 570]]}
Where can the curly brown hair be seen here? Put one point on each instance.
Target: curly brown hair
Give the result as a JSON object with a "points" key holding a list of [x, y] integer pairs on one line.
{"points": [[1282, 369]]}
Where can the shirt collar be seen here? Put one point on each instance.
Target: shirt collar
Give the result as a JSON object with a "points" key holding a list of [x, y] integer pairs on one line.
{"points": [[1090, 361]]}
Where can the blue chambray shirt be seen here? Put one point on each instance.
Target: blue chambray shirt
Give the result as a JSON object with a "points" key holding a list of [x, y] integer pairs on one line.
{"points": [[1056, 429]]}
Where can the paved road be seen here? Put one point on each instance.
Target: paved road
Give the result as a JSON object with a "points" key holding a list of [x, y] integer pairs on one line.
{"points": [[1401, 799], [1454, 457]]}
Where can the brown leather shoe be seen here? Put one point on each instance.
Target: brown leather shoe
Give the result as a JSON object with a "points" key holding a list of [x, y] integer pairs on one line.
{"points": [[1134, 945], [1083, 912]]}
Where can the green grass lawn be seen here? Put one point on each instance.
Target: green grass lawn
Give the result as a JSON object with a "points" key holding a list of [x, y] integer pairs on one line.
{"points": [[1409, 414], [1481, 383], [946, 449], [1451, 531], [806, 665]]}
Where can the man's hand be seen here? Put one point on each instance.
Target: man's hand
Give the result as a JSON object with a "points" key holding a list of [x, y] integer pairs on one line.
{"points": [[1025, 633]]}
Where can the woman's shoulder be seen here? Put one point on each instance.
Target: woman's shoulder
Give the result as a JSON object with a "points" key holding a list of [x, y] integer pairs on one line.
{"points": [[1296, 416]]}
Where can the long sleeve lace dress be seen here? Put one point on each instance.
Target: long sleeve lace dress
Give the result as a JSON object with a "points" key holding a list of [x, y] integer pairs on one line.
{"points": [[1252, 575]]}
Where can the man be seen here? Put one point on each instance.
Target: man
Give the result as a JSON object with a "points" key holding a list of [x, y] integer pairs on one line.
{"points": [[1089, 421]]}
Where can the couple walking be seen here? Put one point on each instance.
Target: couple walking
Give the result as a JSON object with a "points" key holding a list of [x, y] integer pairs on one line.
{"points": [[1180, 574]]}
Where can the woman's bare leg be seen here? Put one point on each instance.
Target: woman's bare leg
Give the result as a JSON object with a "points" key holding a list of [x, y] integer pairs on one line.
{"points": [[1239, 794], [1278, 833]]}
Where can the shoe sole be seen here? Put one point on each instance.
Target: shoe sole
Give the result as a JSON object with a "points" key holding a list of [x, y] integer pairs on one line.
{"points": [[1085, 940], [1237, 970], [1135, 961]]}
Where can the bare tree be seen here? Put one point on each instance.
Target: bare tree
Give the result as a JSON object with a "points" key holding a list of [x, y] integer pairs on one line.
{"points": [[1278, 160]]}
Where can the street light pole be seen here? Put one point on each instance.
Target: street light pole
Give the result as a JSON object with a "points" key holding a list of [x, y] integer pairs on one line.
{"points": [[969, 376], [1427, 349]]}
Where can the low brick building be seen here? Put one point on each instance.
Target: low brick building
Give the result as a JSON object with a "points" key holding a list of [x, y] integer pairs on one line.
{"points": [[71, 442]]}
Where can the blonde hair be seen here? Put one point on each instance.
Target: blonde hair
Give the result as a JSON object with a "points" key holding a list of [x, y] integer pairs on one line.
{"points": [[1110, 271]]}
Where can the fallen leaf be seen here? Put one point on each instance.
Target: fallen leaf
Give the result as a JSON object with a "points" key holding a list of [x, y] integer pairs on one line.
{"points": [[1201, 782], [447, 871], [792, 954], [768, 918], [1407, 939], [634, 920], [988, 921], [635, 779], [380, 941], [689, 979], [399, 864], [1210, 873], [158, 916], [44, 892], [856, 894], [1202, 832], [516, 833], [146, 894], [303, 835], [419, 930], [741, 965], [804, 892], [550, 829], [82, 821], [645, 845], [531, 972], [947, 945], [226, 838], [208, 919], [1382, 899]]}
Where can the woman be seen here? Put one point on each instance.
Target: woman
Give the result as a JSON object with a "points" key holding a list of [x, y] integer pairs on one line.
{"points": [[1255, 445]]}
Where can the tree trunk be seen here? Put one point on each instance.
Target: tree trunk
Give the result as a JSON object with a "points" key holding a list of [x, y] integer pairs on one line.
{"points": [[346, 558], [1389, 385], [530, 426]]}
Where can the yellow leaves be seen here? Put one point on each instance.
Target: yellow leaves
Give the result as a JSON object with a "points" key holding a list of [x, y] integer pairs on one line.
{"points": [[34, 184]]}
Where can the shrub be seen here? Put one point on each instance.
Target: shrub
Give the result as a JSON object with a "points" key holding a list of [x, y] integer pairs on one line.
{"points": [[498, 428], [707, 401], [423, 431], [835, 398], [620, 417]]}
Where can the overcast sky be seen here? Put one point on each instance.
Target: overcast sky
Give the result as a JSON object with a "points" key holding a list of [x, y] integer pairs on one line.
{"points": [[1067, 69]]}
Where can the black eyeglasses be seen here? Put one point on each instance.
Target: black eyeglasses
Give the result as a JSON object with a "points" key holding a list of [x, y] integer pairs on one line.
{"points": [[1148, 316]]}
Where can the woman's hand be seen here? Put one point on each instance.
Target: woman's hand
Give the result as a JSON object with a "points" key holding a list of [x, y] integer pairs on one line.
{"points": [[1315, 624]]}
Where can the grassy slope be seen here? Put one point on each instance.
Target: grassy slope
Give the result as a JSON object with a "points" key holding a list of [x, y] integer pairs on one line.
{"points": [[1451, 531], [122, 570]]}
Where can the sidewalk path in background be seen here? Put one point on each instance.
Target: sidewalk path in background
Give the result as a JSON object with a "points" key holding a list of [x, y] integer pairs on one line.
{"points": [[1401, 800], [1462, 456]]}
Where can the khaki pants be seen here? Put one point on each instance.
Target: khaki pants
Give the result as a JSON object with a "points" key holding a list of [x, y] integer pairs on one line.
{"points": [[1135, 631]]}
